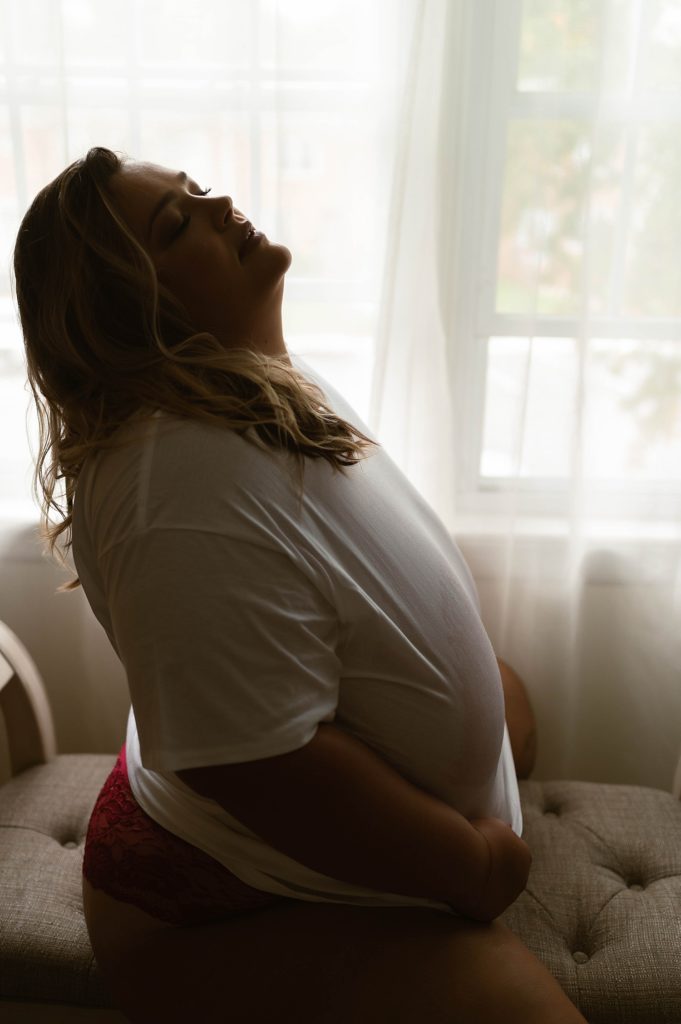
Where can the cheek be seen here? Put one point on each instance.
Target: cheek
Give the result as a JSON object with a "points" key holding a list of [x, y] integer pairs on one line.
{"points": [[206, 284], [194, 274]]}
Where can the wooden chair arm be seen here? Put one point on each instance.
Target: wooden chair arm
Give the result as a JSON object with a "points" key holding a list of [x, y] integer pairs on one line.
{"points": [[24, 706]]}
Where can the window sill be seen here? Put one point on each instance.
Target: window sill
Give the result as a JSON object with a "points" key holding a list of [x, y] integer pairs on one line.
{"points": [[19, 532], [610, 551], [607, 551]]}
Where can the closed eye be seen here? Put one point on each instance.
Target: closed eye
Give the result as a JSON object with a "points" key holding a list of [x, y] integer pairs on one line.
{"points": [[176, 234], [186, 219]]}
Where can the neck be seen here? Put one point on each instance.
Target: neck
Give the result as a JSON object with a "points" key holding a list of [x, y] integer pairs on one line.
{"points": [[270, 334]]}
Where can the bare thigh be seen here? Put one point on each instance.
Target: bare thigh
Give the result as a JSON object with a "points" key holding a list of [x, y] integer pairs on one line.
{"points": [[323, 964]]}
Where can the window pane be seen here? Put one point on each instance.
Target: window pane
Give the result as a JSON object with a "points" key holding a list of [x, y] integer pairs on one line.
{"points": [[15, 400], [529, 403], [8, 183], [97, 126], [318, 35], [653, 265], [346, 361], [96, 34], [540, 246], [561, 205], [328, 317], [661, 58], [560, 42], [213, 149], [322, 173], [633, 425], [43, 143], [34, 27], [9, 208], [177, 34], [247, 93], [559, 45]]}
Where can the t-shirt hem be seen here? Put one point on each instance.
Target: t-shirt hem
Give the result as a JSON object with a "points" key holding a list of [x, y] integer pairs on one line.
{"points": [[172, 761]]}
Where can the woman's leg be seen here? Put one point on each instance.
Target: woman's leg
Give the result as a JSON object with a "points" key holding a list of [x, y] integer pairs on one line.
{"points": [[317, 963]]}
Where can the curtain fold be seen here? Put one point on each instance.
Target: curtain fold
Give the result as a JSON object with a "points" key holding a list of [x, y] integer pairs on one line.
{"points": [[411, 342], [287, 105], [585, 605]]}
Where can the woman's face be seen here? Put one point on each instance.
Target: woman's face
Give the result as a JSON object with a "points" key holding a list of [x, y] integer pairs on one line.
{"points": [[195, 241]]}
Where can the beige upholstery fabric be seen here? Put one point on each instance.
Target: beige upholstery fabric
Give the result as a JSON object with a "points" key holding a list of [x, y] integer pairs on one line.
{"points": [[602, 908], [45, 953], [614, 947]]}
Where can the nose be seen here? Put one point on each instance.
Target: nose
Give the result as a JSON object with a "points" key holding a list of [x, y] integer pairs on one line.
{"points": [[226, 209]]}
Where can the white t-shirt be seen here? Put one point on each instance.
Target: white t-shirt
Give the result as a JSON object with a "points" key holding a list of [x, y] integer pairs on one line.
{"points": [[242, 623]]}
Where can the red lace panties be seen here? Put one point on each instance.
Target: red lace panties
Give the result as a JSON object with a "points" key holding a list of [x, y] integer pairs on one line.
{"points": [[134, 859]]}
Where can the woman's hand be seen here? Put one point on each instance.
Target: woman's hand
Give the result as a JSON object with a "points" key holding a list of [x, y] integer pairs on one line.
{"points": [[508, 869]]}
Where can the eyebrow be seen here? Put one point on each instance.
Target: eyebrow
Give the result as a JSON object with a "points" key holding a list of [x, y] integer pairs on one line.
{"points": [[164, 200]]}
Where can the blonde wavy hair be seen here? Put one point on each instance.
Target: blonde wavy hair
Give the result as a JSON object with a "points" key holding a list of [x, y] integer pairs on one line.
{"points": [[106, 341]]}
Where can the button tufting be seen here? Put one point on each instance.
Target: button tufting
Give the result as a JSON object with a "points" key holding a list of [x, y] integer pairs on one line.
{"points": [[70, 845], [636, 886], [580, 957]]}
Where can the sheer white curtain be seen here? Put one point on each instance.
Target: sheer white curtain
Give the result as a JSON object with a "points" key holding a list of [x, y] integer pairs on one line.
{"points": [[288, 106], [528, 358]]}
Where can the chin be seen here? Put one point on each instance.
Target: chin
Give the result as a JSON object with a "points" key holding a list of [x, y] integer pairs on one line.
{"points": [[286, 253], [283, 262]]}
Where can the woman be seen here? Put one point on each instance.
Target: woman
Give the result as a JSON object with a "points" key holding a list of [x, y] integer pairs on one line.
{"points": [[315, 815]]}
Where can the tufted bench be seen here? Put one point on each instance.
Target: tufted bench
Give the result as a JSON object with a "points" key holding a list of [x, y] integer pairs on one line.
{"points": [[45, 953], [602, 908]]}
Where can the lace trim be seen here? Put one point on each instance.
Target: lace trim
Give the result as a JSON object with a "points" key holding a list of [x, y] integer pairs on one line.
{"points": [[134, 859]]}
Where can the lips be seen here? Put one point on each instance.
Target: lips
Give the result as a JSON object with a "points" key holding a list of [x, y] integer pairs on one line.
{"points": [[250, 232]]}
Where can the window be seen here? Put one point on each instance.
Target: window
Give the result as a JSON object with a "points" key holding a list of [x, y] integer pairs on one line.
{"points": [[569, 237], [288, 105]]}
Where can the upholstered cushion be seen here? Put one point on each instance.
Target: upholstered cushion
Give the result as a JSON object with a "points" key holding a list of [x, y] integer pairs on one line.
{"points": [[602, 908], [45, 953]]}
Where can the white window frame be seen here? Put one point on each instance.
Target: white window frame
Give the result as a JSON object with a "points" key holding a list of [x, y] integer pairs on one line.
{"points": [[484, 84]]}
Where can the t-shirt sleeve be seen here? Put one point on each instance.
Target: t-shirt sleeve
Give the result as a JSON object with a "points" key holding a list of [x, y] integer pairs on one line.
{"points": [[228, 646]]}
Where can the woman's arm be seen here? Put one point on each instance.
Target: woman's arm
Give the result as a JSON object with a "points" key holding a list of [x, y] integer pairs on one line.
{"points": [[339, 808], [522, 725]]}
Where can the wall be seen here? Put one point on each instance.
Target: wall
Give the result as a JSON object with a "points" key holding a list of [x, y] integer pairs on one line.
{"points": [[85, 681], [604, 677]]}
